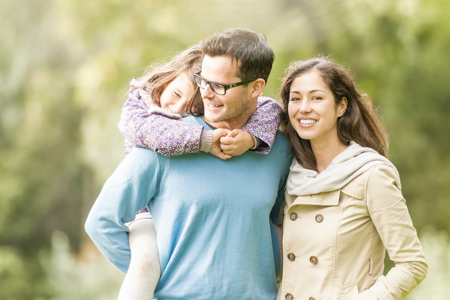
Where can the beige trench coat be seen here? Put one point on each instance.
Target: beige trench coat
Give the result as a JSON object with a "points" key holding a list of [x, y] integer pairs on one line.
{"points": [[334, 243]]}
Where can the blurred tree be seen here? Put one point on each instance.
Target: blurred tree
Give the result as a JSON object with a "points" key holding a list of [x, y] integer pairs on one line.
{"points": [[65, 67], [43, 175]]}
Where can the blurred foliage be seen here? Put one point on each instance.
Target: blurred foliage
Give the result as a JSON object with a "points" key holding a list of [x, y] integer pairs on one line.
{"points": [[64, 71]]}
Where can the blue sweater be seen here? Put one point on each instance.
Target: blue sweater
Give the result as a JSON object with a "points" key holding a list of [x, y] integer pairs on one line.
{"points": [[213, 219]]}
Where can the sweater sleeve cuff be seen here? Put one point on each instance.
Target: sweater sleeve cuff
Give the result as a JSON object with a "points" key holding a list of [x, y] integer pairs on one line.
{"points": [[206, 140], [257, 142]]}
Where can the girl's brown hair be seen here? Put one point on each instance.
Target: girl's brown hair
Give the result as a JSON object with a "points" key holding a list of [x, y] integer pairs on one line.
{"points": [[359, 123], [158, 76]]}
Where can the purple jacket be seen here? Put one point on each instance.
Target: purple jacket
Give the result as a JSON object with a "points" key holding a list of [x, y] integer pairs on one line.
{"points": [[152, 128]]}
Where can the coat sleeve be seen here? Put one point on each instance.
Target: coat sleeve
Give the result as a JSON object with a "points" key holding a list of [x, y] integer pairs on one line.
{"points": [[264, 123], [389, 213], [148, 126], [128, 190]]}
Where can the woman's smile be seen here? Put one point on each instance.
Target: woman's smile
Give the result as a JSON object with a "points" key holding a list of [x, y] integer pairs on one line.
{"points": [[306, 123]]}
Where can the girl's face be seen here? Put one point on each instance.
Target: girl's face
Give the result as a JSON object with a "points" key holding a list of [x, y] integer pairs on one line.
{"points": [[177, 94], [312, 109]]}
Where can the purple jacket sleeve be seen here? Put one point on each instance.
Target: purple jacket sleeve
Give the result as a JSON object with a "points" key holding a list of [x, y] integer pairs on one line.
{"points": [[264, 123], [152, 128]]}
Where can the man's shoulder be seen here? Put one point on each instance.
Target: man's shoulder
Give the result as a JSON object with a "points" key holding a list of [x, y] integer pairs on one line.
{"points": [[281, 150], [141, 156], [281, 140], [193, 120]]}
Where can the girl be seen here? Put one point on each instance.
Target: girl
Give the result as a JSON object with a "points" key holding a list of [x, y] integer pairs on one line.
{"points": [[151, 119], [344, 204]]}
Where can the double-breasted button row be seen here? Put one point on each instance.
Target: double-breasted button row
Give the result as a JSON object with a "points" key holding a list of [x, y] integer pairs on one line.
{"points": [[290, 297], [314, 260], [293, 216]]}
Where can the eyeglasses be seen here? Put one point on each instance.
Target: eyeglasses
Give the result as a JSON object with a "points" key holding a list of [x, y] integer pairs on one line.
{"points": [[217, 88]]}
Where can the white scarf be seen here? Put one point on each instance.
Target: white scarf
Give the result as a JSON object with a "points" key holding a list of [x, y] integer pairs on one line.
{"points": [[349, 164]]}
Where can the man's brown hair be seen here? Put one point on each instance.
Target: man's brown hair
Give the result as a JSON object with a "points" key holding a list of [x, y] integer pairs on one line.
{"points": [[250, 50]]}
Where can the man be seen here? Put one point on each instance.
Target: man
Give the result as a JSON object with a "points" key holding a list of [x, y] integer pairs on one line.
{"points": [[214, 218]]}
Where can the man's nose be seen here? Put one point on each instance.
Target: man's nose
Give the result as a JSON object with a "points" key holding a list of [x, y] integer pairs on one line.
{"points": [[207, 93]]}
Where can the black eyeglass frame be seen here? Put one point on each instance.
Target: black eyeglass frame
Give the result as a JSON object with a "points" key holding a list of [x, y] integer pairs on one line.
{"points": [[226, 87]]}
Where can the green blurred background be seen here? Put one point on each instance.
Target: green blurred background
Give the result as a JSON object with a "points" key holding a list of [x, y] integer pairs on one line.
{"points": [[65, 66]]}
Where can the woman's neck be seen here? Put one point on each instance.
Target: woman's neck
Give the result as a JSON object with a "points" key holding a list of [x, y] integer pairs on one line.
{"points": [[325, 151]]}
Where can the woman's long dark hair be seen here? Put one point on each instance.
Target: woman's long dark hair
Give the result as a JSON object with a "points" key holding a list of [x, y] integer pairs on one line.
{"points": [[359, 123]]}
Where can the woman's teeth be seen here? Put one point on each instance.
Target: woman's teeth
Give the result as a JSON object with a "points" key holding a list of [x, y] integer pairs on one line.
{"points": [[309, 121]]}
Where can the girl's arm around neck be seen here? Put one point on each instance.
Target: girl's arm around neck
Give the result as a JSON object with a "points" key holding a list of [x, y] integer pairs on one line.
{"points": [[155, 130], [264, 123]]}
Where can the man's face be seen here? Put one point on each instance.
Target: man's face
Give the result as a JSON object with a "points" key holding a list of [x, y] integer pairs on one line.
{"points": [[233, 109]]}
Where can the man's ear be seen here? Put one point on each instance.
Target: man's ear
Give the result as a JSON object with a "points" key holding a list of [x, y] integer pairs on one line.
{"points": [[257, 87]]}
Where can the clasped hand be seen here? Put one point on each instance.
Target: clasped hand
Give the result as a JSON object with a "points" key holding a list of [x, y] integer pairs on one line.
{"points": [[227, 143]]}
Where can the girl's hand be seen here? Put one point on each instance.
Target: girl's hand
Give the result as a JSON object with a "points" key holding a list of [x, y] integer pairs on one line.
{"points": [[236, 142], [215, 145]]}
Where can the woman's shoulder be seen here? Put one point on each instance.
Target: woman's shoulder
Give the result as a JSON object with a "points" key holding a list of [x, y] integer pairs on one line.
{"points": [[383, 174], [376, 176]]}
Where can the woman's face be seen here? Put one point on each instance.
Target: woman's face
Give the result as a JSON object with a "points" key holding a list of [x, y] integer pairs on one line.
{"points": [[177, 94], [312, 109]]}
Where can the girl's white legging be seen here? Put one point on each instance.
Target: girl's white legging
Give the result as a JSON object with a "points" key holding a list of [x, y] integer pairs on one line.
{"points": [[145, 270]]}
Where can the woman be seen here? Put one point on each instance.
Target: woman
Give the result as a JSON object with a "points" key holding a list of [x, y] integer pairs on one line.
{"points": [[344, 204]]}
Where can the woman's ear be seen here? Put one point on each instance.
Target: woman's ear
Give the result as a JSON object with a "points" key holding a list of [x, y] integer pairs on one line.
{"points": [[342, 107], [257, 87]]}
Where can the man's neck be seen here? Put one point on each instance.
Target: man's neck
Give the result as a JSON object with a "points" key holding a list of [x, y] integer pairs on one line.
{"points": [[208, 123], [229, 124]]}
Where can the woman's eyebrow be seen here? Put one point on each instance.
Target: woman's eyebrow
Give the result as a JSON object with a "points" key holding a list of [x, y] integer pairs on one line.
{"points": [[311, 91]]}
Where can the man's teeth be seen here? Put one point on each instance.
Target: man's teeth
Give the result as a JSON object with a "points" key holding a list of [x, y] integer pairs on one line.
{"points": [[308, 121]]}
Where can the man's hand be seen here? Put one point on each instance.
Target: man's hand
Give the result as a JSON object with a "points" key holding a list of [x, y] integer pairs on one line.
{"points": [[236, 142], [215, 145]]}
